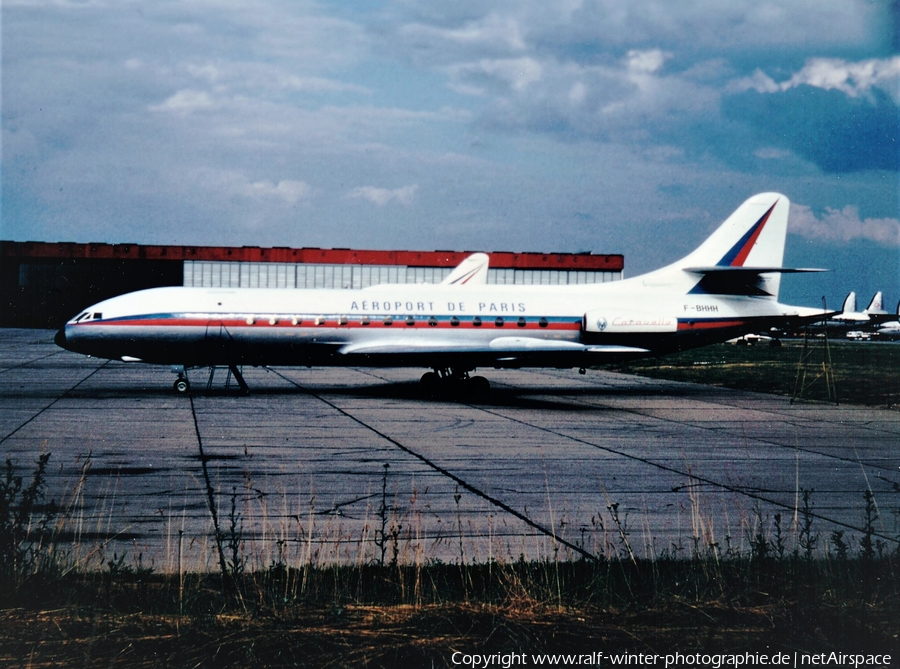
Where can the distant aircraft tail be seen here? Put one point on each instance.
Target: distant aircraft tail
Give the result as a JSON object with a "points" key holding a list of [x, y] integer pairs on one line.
{"points": [[742, 257], [471, 271], [849, 303], [876, 306]]}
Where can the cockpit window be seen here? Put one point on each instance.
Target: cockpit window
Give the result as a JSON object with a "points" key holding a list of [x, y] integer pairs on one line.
{"points": [[97, 316], [80, 316]]}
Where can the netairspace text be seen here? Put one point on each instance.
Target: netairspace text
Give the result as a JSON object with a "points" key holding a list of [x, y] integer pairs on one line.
{"points": [[712, 661]]}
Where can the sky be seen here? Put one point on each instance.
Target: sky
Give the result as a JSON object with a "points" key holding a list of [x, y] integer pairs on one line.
{"points": [[553, 125]]}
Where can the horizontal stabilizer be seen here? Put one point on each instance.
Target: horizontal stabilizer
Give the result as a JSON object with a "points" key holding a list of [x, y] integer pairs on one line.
{"points": [[752, 270], [803, 315], [730, 280]]}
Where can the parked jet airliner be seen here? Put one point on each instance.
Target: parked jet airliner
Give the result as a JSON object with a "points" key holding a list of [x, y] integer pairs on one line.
{"points": [[726, 287], [873, 314]]}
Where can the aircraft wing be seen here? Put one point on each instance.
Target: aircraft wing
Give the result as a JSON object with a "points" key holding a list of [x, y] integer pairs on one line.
{"points": [[501, 346], [810, 315]]}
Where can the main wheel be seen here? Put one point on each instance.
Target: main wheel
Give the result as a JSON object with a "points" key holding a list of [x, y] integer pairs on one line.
{"points": [[430, 382], [182, 386], [479, 386]]}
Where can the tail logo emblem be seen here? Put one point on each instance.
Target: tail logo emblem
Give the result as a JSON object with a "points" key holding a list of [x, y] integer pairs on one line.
{"points": [[739, 252]]}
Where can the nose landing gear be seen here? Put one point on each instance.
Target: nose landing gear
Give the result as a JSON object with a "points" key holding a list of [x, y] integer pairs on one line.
{"points": [[182, 386]]}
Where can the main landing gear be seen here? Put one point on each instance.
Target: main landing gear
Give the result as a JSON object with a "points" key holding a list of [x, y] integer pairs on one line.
{"points": [[453, 381], [182, 386]]}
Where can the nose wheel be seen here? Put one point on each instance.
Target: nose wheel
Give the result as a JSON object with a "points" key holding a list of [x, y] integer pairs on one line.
{"points": [[182, 386]]}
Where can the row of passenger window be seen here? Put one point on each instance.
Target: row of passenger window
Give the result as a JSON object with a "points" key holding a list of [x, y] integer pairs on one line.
{"points": [[410, 321]]}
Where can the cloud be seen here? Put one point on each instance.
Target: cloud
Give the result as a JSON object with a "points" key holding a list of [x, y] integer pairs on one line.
{"points": [[254, 122], [232, 183], [580, 29], [494, 32], [852, 79], [185, 102], [843, 225], [646, 62], [656, 73], [496, 75], [830, 129], [382, 196], [769, 153], [838, 114], [264, 78], [288, 190], [633, 94]]}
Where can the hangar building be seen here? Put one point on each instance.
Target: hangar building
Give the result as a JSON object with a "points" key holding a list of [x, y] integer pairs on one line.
{"points": [[43, 284]]}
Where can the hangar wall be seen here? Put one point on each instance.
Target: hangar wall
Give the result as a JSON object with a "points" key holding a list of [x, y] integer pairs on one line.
{"points": [[43, 284], [209, 274]]}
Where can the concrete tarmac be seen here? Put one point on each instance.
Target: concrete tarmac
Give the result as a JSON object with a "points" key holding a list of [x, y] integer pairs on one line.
{"points": [[356, 465]]}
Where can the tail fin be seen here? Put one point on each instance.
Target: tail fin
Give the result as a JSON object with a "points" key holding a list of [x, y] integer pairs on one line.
{"points": [[849, 304], [750, 241], [473, 271], [876, 306], [753, 236], [742, 257]]}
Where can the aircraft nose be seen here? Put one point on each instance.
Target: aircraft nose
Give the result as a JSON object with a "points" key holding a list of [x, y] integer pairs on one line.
{"points": [[60, 338]]}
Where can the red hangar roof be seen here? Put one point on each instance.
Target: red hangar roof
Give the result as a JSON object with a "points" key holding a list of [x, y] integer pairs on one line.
{"points": [[498, 259]]}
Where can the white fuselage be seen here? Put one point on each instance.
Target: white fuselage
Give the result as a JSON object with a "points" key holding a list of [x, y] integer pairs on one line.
{"points": [[421, 325]]}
